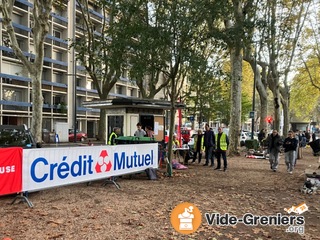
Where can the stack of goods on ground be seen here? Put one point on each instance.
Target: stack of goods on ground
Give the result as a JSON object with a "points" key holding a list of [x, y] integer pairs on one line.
{"points": [[312, 183], [255, 154]]}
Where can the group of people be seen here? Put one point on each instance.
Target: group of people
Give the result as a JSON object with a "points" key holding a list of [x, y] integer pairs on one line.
{"points": [[274, 142], [212, 145], [143, 133], [292, 144], [216, 145], [138, 133]]}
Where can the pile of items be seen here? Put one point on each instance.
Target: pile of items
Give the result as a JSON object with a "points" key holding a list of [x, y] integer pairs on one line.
{"points": [[256, 154], [312, 183]]}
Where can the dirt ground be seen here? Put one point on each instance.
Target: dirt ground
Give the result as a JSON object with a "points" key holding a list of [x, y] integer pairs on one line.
{"points": [[141, 209]]}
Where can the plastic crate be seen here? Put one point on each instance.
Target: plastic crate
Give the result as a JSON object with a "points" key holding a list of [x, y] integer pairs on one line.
{"points": [[133, 140]]}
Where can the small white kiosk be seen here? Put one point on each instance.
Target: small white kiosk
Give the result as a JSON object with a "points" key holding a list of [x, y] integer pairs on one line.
{"points": [[127, 112]]}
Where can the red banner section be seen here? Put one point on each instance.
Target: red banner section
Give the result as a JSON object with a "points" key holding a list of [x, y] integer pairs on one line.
{"points": [[10, 170]]}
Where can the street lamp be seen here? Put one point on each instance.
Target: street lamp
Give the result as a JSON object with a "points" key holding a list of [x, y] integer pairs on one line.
{"points": [[74, 74], [75, 108], [74, 98]]}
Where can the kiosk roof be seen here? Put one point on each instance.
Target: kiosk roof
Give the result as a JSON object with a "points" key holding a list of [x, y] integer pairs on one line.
{"points": [[132, 103]]}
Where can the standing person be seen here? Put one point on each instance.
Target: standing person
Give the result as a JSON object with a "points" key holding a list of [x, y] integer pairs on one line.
{"points": [[139, 132], [308, 135], [274, 144], [175, 144], [297, 152], [149, 131], [290, 146], [111, 141], [209, 144], [198, 146], [261, 136], [175, 141], [113, 136], [314, 136], [222, 144], [302, 139]]}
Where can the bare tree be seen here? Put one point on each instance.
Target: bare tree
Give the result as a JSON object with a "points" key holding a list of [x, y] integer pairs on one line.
{"points": [[240, 12], [285, 21], [234, 15], [40, 27], [309, 46], [103, 48]]}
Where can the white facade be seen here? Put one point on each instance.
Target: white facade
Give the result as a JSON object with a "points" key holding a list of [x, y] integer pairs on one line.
{"points": [[58, 77]]}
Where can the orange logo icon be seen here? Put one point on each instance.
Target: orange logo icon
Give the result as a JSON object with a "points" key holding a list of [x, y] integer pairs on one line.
{"points": [[186, 218]]}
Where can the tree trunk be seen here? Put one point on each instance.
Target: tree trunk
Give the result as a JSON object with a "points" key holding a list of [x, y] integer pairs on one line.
{"points": [[273, 81], [277, 113], [172, 123], [286, 119], [235, 113], [37, 104], [285, 101], [262, 90], [171, 132], [102, 135]]}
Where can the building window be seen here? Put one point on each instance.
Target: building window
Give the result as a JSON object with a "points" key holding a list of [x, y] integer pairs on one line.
{"points": [[131, 92], [118, 89], [57, 56], [57, 77], [57, 34], [79, 82], [7, 80], [12, 95]]}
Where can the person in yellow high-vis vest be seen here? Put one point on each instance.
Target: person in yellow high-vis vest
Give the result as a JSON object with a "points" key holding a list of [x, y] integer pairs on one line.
{"points": [[113, 136], [222, 144]]}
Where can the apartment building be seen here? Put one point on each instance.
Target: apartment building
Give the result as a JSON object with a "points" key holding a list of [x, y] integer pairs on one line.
{"points": [[65, 85]]}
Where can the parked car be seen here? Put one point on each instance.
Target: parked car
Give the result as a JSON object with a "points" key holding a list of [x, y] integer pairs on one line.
{"points": [[80, 136], [17, 136]]}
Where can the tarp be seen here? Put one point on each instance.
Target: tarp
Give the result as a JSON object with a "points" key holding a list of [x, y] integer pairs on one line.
{"points": [[34, 169], [51, 167], [10, 170]]}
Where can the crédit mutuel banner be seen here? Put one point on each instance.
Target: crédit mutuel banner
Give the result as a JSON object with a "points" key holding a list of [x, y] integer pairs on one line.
{"points": [[10, 170], [51, 167]]}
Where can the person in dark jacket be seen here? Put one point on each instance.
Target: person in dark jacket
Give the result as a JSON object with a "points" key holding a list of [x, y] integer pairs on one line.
{"points": [[209, 144], [198, 146], [262, 136], [290, 146], [274, 144], [314, 136]]}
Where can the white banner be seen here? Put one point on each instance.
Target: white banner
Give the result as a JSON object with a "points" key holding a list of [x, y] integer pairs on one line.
{"points": [[50, 167]]}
